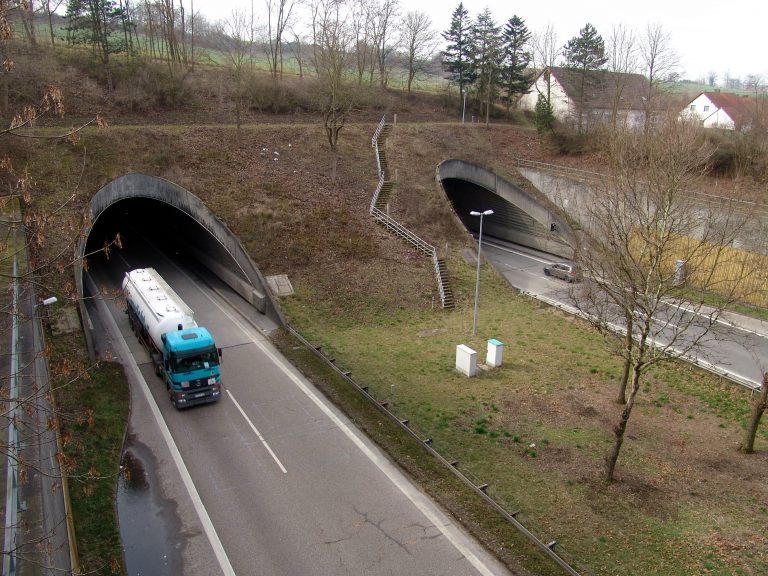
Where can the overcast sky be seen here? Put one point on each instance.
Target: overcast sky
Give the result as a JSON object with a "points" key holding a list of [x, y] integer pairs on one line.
{"points": [[707, 35]]}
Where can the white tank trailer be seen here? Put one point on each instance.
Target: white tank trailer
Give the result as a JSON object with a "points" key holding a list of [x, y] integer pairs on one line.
{"points": [[158, 307], [184, 354]]}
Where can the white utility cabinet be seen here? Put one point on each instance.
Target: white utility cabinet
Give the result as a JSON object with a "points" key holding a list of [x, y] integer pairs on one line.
{"points": [[466, 360]]}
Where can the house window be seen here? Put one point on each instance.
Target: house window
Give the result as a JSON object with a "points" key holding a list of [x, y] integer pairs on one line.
{"points": [[693, 107], [706, 108]]}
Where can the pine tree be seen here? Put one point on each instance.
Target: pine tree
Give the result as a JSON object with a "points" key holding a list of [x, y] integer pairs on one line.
{"points": [[517, 58], [585, 53], [543, 116], [488, 58], [457, 57]]}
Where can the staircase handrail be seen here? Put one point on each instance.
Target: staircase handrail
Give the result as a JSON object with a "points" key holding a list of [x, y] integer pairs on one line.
{"points": [[379, 128], [439, 274], [403, 231], [393, 224], [377, 192]]}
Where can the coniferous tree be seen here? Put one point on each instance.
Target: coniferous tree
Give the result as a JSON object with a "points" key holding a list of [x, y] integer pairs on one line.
{"points": [[488, 59], [517, 58], [457, 57], [543, 116], [585, 53]]}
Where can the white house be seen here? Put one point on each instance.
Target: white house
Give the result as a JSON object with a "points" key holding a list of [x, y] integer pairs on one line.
{"points": [[723, 110], [598, 95]]}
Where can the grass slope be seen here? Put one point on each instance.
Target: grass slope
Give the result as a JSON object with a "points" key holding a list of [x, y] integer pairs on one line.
{"points": [[537, 429]]}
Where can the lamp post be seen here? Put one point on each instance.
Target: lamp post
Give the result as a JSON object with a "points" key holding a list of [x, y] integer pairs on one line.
{"points": [[479, 247]]}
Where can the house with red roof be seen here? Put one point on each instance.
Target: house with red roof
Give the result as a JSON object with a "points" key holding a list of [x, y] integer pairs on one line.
{"points": [[724, 110]]}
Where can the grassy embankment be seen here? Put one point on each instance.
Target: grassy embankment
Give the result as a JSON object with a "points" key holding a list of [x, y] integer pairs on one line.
{"points": [[535, 430]]}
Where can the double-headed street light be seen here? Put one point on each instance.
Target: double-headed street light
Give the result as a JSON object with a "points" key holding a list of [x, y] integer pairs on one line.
{"points": [[479, 247]]}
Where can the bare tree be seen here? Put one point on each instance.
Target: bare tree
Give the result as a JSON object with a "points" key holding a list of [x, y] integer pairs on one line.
{"points": [[233, 40], [362, 20], [645, 237], [297, 49], [659, 61], [546, 51], [711, 78], [622, 60], [384, 18], [753, 82], [29, 220], [51, 6], [279, 14], [419, 40], [332, 39], [759, 406]]}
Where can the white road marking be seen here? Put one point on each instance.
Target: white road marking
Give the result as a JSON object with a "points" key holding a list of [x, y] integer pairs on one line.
{"points": [[186, 478], [523, 254], [448, 530], [255, 430]]}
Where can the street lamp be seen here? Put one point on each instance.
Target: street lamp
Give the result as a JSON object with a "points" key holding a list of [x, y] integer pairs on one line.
{"points": [[479, 247]]}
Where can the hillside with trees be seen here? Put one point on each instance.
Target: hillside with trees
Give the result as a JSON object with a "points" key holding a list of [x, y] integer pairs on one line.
{"points": [[271, 127]]}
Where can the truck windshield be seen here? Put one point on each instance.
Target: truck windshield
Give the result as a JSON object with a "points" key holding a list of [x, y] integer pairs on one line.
{"points": [[197, 361]]}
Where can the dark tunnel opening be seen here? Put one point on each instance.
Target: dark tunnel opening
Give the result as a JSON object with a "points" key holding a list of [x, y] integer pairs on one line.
{"points": [[140, 220], [507, 220]]}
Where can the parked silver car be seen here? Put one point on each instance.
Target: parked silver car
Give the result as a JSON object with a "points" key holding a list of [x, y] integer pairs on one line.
{"points": [[564, 271]]}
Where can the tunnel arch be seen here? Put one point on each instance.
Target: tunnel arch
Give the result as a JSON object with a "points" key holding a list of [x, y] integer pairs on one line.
{"points": [[238, 270], [518, 216]]}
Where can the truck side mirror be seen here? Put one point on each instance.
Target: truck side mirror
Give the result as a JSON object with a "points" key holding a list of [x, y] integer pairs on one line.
{"points": [[221, 354]]}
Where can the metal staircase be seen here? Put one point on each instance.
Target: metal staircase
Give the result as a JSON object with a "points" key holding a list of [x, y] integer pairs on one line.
{"points": [[378, 212]]}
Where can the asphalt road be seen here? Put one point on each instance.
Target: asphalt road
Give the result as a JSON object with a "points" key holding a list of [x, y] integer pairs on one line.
{"points": [[729, 345], [272, 479]]}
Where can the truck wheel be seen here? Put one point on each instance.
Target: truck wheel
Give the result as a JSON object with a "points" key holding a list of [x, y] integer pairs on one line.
{"points": [[170, 397]]}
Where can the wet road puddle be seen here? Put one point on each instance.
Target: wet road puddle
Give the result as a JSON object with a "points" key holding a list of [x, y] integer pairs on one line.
{"points": [[147, 521]]}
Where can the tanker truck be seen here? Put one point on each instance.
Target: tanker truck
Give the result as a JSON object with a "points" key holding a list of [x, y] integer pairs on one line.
{"points": [[184, 354]]}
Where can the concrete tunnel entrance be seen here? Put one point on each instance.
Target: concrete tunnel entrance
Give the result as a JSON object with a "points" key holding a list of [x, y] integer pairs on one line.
{"points": [[518, 216], [168, 215]]}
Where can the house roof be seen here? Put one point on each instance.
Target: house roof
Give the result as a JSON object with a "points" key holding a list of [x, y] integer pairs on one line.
{"points": [[601, 88], [738, 107]]}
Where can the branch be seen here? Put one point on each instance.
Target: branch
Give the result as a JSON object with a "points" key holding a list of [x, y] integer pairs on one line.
{"points": [[98, 120]]}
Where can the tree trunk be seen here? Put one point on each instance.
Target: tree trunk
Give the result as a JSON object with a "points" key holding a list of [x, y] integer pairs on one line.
{"points": [[758, 408], [50, 21], [621, 427], [334, 163], [622, 397]]}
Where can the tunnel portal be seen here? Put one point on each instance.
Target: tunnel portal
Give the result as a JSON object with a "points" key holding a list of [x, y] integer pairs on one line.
{"points": [[167, 215], [517, 216]]}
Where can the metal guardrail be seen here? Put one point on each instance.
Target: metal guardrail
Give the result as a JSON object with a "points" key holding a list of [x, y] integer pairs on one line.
{"points": [[480, 489]]}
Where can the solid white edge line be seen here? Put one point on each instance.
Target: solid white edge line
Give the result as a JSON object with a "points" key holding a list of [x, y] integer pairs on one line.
{"points": [[194, 496], [448, 530], [255, 430]]}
